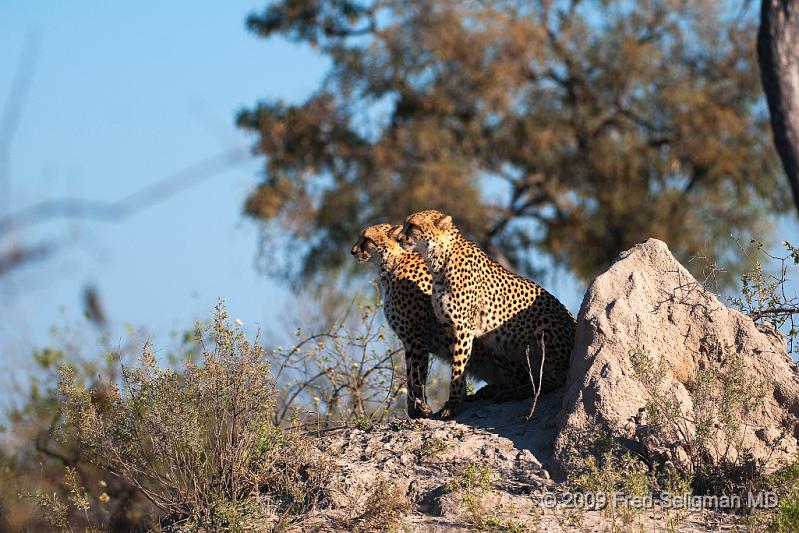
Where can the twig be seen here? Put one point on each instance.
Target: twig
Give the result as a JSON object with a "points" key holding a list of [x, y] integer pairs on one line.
{"points": [[777, 311], [12, 111], [536, 390]]}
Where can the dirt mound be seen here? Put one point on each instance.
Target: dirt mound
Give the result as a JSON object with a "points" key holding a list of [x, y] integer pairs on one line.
{"points": [[479, 473], [649, 333]]}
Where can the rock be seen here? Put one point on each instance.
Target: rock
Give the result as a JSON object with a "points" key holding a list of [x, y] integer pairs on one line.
{"points": [[422, 458], [427, 460], [647, 303]]}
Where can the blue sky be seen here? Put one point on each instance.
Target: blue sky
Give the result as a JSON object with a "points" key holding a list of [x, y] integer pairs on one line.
{"points": [[124, 94]]}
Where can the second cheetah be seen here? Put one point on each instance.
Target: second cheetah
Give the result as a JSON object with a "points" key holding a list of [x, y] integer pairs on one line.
{"points": [[477, 299], [407, 288]]}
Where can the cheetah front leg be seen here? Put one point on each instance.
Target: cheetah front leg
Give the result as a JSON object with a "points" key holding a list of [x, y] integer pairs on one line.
{"points": [[461, 350], [417, 362]]}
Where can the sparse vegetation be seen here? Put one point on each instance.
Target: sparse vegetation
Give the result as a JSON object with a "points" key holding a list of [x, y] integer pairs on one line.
{"points": [[611, 474], [383, 509], [702, 451], [349, 370], [432, 447], [473, 486], [200, 443], [764, 289], [704, 445]]}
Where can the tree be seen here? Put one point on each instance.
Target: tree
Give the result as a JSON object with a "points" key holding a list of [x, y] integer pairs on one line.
{"points": [[565, 127], [778, 54]]}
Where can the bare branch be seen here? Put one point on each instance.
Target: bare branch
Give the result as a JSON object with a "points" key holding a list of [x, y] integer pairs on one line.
{"points": [[17, 256], [121, 209]]}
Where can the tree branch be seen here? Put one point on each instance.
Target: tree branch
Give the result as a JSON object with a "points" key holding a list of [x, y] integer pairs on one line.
{"points": [[778, 55], [121, 209], [17, 256]]}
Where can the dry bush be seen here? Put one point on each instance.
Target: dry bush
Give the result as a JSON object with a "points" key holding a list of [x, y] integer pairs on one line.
{"points": [[764, 289], [351, 370], [383, 509], [200, 443], [35, 460]]}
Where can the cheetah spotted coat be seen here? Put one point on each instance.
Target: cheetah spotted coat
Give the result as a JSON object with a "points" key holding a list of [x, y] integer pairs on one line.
{"points": [[407, 288], [476, 298]]}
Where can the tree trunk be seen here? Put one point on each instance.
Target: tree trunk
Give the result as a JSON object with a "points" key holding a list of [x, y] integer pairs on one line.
{"points": [[778, 55]]}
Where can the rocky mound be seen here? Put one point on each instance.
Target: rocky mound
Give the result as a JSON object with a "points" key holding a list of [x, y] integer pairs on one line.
{"points": [[477, 474], [647, 319]]}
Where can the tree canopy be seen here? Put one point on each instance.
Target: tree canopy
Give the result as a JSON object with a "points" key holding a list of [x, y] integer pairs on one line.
{"points": [[573, 129]]}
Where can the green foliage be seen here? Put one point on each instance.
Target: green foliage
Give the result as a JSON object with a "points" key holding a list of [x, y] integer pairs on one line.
{"points": [[472, 483], [613, 473], [764, 289], [786, 483], [199, 443], [362, 422], [793, 251], [705, 444], [432, 447], [572, 128], [473, 486]]}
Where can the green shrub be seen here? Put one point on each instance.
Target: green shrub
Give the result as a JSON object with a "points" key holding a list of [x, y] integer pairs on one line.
{"points": [[786, 483], [199, 443], [705, 444]]}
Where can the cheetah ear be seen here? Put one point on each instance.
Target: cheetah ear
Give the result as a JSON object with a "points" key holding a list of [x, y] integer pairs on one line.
{"points": [[395, 232], [444, 223]]}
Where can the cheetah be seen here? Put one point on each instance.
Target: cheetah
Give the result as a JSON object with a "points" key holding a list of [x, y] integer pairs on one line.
{"points": [[476, 298], [407, 287]]}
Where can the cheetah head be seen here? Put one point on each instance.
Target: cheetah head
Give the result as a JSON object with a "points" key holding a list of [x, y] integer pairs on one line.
{"points": [[423, 228], [377, 243]]}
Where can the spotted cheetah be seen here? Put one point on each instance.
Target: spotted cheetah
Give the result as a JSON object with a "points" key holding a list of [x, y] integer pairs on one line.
{"points": [[476, 298], [407, 289]]}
